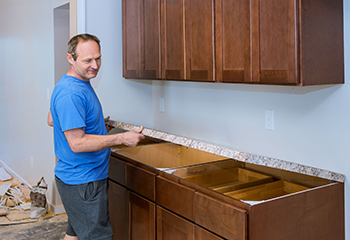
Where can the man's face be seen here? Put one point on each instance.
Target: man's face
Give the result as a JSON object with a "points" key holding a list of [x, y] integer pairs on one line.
{"points": [[88, 61]]}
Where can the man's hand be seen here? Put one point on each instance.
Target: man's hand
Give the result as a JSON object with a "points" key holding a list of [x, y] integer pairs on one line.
{"points": [[49, 119], [132, 138], [108, 127]]}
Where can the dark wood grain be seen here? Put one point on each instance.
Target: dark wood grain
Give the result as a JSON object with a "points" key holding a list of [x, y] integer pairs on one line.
{"points": [[142, 218], [118, 199], [175, 197], [303, 216], [116, 170], [223, 219], [141, 181], [233, 41]]}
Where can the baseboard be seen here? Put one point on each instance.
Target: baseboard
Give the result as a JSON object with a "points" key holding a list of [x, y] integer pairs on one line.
{"points": [[56, 209]]}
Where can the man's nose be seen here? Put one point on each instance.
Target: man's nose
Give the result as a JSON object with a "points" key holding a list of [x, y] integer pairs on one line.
{"points": [[94, 64]]}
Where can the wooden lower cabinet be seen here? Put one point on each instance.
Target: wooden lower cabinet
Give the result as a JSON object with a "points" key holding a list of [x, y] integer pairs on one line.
{"points": [[223, 199], [132, 216], [173, 227]]}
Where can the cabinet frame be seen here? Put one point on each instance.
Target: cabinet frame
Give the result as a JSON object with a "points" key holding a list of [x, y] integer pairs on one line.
{"points": [[310, 47]]}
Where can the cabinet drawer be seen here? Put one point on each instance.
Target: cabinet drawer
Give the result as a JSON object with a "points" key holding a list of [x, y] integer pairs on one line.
{"points": [[116, 170], [202, 234], [225, 220], [141, 181], [175, 197]]}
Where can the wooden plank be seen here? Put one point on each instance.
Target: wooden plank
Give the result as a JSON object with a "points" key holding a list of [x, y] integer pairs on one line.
{"points": [[266, 191], [229, 179]]}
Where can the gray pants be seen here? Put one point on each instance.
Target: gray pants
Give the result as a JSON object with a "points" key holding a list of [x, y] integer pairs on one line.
{"points": [[86, 206]]}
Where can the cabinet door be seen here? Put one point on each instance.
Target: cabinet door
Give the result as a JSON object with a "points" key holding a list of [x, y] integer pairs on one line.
{"points": [[233, 41], [199, 25], [172, 227], [202, 234], [132, 217], [142, 218], [173, 39], [118, 210], [187, 39], [141, 26], [274, 41]]}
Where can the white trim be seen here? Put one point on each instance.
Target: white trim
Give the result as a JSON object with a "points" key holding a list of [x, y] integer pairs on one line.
{"points": [[56, 209], [13, 173], [81, 16]]}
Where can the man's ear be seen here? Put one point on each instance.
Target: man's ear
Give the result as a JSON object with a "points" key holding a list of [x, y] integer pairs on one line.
{"points": [[69, 58]]}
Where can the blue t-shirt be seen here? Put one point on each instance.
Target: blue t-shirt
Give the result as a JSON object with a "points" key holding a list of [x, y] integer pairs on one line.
{"points": [[74, 104]]}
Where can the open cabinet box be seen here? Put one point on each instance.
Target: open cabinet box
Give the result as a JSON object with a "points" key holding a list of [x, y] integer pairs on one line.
{"points": [[219, 197]]}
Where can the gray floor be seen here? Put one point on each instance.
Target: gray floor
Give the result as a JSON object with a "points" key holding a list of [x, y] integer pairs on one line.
{"points": [[50, 228]]}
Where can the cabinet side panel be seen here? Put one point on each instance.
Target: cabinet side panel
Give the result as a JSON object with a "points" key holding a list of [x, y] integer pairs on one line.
{"points": [[314, 214], [322, 42]]}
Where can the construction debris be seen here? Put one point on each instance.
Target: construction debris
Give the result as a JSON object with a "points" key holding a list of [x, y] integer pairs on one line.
{"points": [[4, 176], [14, 200]]}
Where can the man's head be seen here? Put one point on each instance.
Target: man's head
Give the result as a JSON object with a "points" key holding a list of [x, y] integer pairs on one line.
{"points": [[84, 56]]}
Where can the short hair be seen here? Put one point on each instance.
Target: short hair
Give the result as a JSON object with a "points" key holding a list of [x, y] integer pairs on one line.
{"points": [[73, 43]]}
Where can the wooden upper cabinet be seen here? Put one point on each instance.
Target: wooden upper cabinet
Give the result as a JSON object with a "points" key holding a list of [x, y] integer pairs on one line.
{"points": [[283, 42], [233, 38], [187, 39], [274, 41], [141, 49]]}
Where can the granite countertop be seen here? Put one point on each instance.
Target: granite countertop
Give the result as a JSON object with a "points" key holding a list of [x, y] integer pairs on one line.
{"points": [[234, 154]]}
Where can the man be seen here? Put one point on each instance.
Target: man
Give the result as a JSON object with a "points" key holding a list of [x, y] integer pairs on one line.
{"points": [[82, 145]]}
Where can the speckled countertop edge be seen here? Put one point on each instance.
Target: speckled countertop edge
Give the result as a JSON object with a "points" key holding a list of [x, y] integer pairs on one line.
{"points": [[234, 154]]}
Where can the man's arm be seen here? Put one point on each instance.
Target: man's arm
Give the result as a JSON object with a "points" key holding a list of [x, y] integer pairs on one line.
{"points": [[81, 142], [49, 119]]}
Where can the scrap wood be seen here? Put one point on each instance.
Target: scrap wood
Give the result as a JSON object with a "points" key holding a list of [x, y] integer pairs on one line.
{"points": [[4, 220], [3, 211], [4, 188], [19, 222], [17, 216], [4, 175], [25, 191]]}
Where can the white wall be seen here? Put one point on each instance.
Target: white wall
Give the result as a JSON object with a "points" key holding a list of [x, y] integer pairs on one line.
{"points": [[124, 100], [311, 124], [27, 69]]}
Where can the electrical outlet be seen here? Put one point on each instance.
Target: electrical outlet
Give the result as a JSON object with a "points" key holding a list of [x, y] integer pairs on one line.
{"points": [[269, 120], [161, 104]]}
